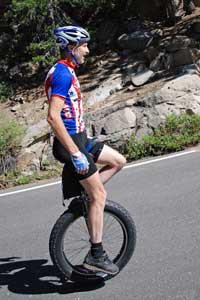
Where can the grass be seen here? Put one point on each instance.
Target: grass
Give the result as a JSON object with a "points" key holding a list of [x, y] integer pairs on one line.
{"points": [[176, 134], [15, 177]]}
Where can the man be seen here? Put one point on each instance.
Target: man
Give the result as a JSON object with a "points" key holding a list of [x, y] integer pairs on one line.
{"points": [[71, 144]]}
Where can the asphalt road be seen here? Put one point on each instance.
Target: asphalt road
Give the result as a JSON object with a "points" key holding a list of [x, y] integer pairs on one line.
{"points": [[164, 200]]}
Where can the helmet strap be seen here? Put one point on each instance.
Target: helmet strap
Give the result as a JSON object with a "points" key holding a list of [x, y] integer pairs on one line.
{"points": [[71, 53]]}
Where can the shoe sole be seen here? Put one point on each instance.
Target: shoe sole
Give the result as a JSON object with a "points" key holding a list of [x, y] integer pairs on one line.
{"points": [[96, 269]]}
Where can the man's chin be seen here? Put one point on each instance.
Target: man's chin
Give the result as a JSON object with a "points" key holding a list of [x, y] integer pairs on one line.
{"points": [[81, 62]]}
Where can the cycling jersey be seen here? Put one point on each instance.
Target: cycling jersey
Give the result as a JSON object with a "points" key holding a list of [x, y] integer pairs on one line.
{"points": [[61, 81]]}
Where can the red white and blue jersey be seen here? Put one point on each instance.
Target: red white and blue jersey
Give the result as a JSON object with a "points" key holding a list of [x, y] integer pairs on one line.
{"points": [[61, 81]]}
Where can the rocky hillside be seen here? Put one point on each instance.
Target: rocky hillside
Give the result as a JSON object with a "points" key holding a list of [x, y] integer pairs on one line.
{"points": [[153, 72]]}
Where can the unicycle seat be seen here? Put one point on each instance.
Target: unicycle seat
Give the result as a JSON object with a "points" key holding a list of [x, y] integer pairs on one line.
{"points": [[70, 185]]}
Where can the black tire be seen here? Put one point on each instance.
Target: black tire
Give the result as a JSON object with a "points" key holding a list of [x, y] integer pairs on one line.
{"points": [[122, 251]]}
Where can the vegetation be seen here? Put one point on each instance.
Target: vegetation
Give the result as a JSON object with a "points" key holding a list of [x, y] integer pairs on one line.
{"points": [[26, 26], [5, 91], [10, 137], [16, 177], [176, 134]]}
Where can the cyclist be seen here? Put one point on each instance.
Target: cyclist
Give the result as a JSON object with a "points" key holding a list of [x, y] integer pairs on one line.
{"points": [[71, 144]]}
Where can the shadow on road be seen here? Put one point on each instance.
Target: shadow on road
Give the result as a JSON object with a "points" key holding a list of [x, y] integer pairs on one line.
{"points": [[35, 277]]}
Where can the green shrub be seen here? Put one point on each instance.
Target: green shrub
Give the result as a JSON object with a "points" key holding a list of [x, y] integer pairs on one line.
{"points": [[10, 137], [23, 180], [176, 134], [5, 91]]}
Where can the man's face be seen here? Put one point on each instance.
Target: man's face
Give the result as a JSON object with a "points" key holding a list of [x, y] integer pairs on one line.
{"points": [[80, 52]]}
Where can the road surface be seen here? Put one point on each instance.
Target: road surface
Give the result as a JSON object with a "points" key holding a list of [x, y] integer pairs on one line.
{"points": [[163, 196]]}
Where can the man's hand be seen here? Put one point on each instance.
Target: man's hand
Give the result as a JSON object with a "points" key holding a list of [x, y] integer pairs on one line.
{"points": [[80, 162]]}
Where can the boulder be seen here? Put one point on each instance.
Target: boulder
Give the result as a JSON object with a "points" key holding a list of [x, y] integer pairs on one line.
{"points": [[180, 94], [129, 69], [180, 58], [111, 120], [24, 159], [105, 89], [118, 121], [142, 77], [177, 43], [136, 41], [157, 63], [36, 132]]}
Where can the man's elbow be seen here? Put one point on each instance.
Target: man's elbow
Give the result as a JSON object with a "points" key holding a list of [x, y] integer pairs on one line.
{"points": [[51, 119]]}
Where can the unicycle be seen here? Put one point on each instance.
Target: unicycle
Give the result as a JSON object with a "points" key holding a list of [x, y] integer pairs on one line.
{"points": [[69, 238]]}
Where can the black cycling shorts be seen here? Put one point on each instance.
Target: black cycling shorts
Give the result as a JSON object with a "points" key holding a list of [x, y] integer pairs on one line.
{"points": [[91, 147]]}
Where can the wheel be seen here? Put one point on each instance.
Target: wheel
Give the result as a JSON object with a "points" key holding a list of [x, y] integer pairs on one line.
{"points": [[69, 240]]}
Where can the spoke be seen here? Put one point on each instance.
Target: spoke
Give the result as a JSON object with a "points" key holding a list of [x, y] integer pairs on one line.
{"points": [[73, 246], [112, 223], [112, 235], [76, 254], [76, 241]]}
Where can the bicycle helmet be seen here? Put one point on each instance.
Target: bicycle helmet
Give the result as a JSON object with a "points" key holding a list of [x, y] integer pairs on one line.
{"points": [[74, 34]]}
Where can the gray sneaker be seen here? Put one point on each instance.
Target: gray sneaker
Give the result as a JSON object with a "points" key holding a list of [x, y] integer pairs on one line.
{"points": [[102, 264]]}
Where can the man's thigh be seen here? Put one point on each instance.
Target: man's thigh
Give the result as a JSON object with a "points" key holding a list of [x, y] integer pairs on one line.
{"points": [[110, 156], [92, 184]]}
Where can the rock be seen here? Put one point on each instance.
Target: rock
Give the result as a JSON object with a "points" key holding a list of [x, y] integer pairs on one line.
{"points": [[36, 132], [141, 68], [157, 64], [180, 58], [129, 69], [17, 99], [136, 41], [15, 108], [29, 69], [177, 43], [27, 173], [7, 163], [105, 89], [15, 72], [188, 69], [196, 27], [142, 77], [131, 88], [183, 92], [151, 53], [141, 132], [25, 159], [116, 122]]}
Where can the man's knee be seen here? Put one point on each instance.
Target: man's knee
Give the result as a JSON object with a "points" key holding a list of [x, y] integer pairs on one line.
{"points": [[95, 188], [99, 195], [120, 161]]}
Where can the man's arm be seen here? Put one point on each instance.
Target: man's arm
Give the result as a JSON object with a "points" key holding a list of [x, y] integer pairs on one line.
{"points": [[54, 119]]}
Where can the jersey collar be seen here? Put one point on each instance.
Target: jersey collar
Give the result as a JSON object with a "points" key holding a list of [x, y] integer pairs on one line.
{"points": [[67, 63]]}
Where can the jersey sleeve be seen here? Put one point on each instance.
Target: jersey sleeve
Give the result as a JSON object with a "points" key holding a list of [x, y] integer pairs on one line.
{"points": [[61, 83]]}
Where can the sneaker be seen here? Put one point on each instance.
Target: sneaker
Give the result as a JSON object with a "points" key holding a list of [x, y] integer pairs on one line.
{"points": [[102, 264]]}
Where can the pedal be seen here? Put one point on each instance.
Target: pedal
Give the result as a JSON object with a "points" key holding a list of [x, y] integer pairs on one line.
{"points": [[101, 274]]}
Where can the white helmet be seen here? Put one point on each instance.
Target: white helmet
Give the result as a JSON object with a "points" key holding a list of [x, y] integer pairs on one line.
{"points": [[75, 34]]}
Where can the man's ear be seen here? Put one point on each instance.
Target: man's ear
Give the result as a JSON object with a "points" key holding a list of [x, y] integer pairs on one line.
{"points": [[70, 47]]}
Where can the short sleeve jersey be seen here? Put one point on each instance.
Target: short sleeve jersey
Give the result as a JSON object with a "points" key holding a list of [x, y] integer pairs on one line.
{"points": [[61, 81]]}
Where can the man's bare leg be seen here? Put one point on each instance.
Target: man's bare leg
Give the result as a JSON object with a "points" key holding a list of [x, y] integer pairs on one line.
{"points": [[97, 195], [97, 259], [113, 162]]}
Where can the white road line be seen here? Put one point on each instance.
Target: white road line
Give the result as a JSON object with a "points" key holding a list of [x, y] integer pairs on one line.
{"points": [[159, 159], [126, 167], [31, 188]]}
